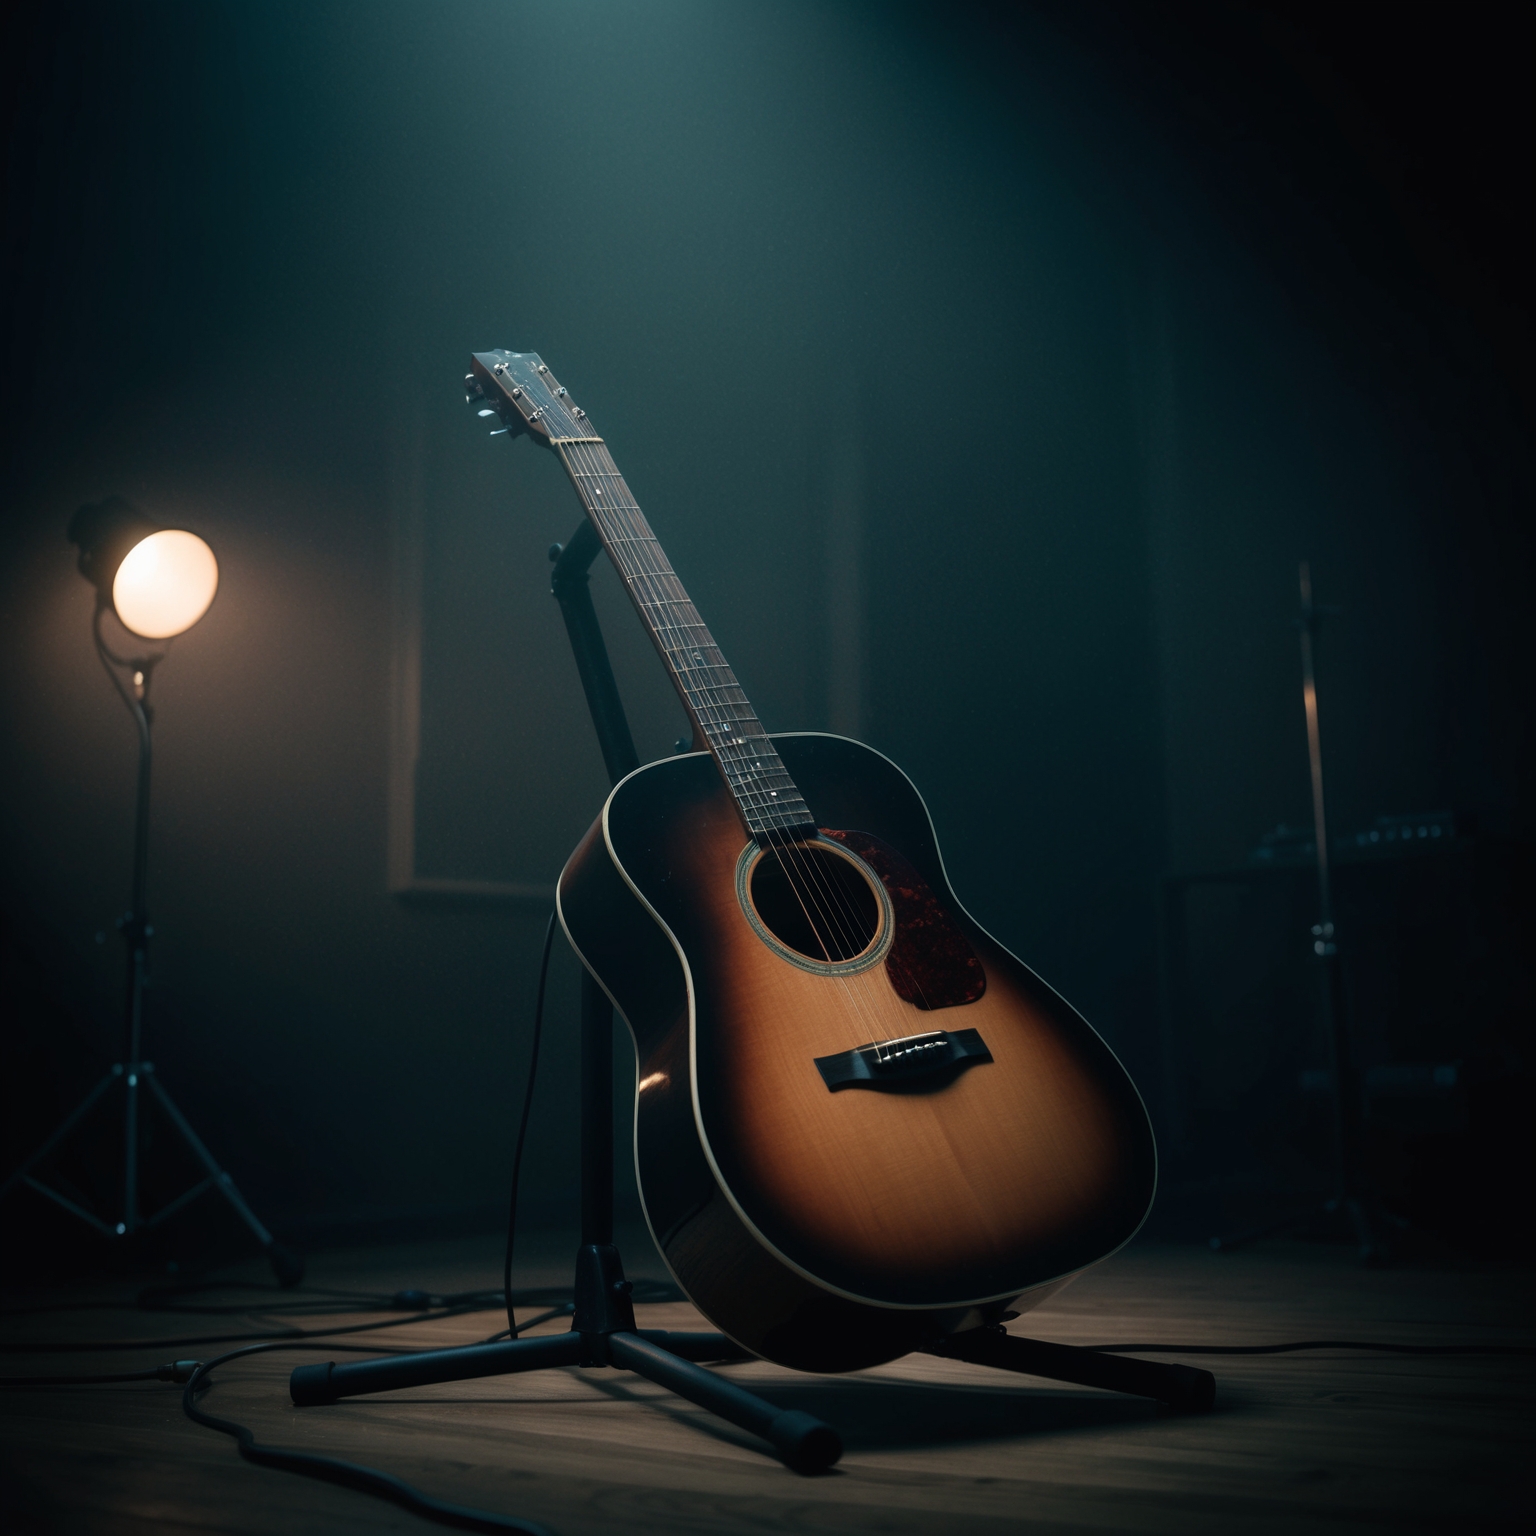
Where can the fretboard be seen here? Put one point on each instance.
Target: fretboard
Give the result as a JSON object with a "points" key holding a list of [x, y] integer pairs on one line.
{"points": [[767, 797]]}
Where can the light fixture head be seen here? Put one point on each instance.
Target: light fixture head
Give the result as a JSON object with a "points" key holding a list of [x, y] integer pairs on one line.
{"points": [[159, 581]]}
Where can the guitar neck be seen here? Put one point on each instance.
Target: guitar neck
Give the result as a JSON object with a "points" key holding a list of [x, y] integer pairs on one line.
{"points": [[765, 794], [519, 388]]}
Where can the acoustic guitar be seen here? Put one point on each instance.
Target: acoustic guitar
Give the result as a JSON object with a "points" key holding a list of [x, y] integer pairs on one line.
{"points": [[861, 1125]]}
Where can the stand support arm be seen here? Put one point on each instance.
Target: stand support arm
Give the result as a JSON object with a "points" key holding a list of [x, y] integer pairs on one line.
{"points": [[1180, 1386]]}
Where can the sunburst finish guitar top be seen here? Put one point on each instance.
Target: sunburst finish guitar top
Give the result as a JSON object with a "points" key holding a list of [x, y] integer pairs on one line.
{"points": [[861, 1124]]}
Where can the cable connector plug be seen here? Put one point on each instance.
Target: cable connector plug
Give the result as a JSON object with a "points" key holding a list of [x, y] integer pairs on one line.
{"points": [[178, 1371]]}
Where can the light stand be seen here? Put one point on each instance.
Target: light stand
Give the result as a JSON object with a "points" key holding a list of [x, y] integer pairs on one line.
{"points": [[1349, 1206], [115, 522], [603, 1330]]}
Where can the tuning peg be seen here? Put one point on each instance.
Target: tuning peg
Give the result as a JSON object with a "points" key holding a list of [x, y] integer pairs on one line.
{"points": [[472, 387], [500, 432], [486, 412]]}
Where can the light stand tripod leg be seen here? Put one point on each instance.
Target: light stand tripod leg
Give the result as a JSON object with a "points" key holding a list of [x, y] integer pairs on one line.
{"points": [[286, 1265], [132, 1072], [65, 1126], [131, 1145]]}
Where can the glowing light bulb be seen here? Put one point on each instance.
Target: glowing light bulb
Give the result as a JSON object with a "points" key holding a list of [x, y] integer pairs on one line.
{"points": [[165, 584]]}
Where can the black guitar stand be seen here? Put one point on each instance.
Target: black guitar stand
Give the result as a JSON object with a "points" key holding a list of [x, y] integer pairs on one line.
{"points": [[603, 1331]]}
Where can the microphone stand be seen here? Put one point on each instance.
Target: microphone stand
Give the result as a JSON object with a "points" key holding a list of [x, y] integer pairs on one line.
{"points": [[1350, 1200], [603, 1329], [133, 1073]]}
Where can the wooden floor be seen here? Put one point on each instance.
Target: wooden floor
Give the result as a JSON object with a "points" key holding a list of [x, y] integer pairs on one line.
{"points": [[1323, 1442]]}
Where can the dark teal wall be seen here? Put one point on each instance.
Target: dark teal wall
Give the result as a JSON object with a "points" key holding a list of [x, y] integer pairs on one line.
{"points": [[1081, 380]]}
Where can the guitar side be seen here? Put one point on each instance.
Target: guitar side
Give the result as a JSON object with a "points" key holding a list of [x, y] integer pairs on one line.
{"points": [[830, 1231]]}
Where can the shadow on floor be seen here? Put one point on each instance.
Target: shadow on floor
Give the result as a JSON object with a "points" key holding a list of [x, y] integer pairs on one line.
{"points": [[887, 1415]]}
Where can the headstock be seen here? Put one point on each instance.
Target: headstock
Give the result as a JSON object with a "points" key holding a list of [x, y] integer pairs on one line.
{"points": [[518, 388]]}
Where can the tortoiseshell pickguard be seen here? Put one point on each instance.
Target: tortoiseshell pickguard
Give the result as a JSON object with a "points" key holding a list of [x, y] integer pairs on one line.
{"points": [[931, 963]]}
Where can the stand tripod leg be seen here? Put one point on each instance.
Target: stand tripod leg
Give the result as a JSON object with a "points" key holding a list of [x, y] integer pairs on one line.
{"points": [[81, 1110], [1180, 1386], [286, 1265], [805, 1443], [310, 1385], [603, 1322], [131, 1146]]}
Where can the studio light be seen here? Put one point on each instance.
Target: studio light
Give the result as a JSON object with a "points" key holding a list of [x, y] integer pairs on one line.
{"points": [[159, 582]]}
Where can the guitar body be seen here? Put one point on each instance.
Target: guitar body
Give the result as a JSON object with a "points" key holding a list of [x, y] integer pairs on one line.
{"points": [[831, 1209]]}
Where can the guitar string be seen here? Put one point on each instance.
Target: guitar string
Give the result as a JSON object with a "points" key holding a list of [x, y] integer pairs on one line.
{"points": [[813, 888], [652, 591], [650, 588], [653, 583], [685, 657], [840, 906], [708, 700], [832, 904]]}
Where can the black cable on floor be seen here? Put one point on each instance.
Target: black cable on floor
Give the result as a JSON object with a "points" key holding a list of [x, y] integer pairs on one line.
{"points": [[298, 1299], [168, 1372], [179, 1370], [345, 1473], [196, 1374], [556, 1296], [1287, 1349], [522, 1124], [64, 1347]]}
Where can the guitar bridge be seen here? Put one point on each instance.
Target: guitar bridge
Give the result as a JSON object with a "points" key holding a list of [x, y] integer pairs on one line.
{"points": [[935, 1054]]}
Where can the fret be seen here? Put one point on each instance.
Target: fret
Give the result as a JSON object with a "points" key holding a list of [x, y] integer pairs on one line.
{"points": [[765, 794]]}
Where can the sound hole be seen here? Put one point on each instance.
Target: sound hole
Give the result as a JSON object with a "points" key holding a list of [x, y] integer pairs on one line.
{"points": [[815, 902]]}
